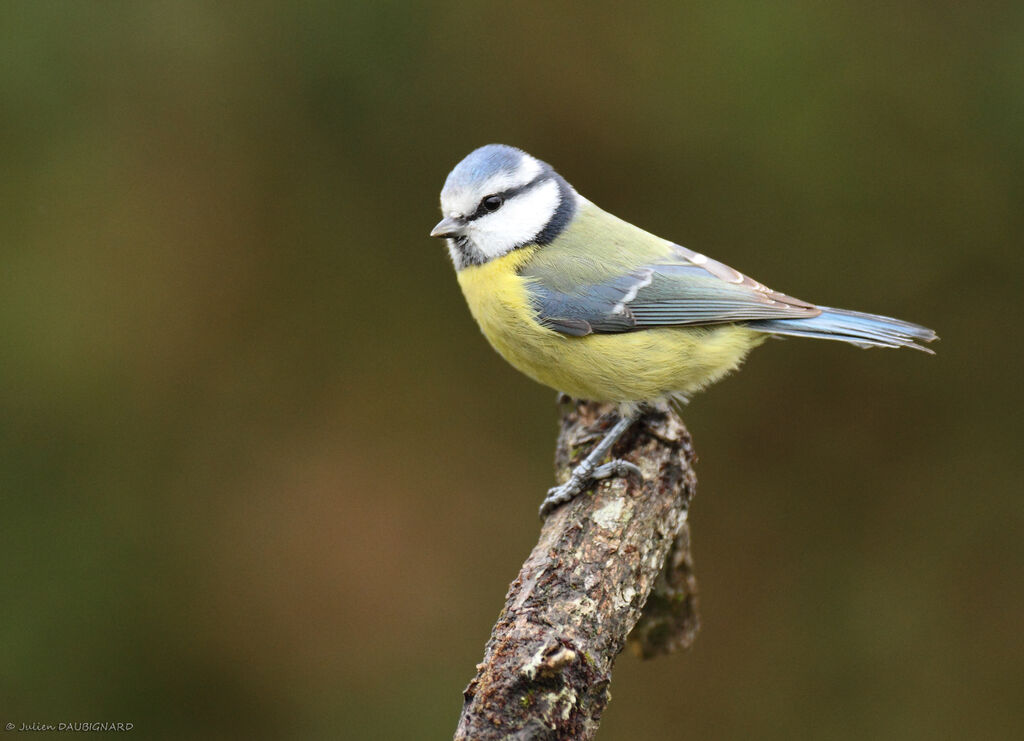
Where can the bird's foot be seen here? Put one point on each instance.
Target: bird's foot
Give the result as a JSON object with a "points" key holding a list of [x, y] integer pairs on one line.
{"points": [[581, 477], [617, 468]]}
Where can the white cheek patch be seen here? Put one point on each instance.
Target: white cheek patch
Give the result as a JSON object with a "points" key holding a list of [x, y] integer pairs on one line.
{"points": [[517, 222]]}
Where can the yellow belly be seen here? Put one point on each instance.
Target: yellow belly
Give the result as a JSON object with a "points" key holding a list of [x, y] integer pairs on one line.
{"points": [[633, 366]]}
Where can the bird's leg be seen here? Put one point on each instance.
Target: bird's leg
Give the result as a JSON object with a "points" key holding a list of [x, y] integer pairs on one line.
{"points": [[588, 469]]}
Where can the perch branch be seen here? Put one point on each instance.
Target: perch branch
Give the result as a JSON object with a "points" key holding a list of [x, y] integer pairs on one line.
{"points": [[611, 566]]}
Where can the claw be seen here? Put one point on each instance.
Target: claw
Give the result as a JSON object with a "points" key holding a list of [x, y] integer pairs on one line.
{"points": [[588, 469], [579, 479], [558, 495], [617, 468]]}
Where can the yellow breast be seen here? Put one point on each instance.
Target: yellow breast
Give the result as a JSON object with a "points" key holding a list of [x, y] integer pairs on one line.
{"points": [[634, 366]]}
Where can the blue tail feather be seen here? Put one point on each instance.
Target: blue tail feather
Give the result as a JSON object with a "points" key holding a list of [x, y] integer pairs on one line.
{"points": [[855, 327]]}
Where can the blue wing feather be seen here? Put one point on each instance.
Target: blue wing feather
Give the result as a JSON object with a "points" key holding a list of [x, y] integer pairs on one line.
{"points": [[659, 294]]}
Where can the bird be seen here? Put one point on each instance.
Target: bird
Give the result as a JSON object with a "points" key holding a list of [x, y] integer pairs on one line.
{"points": [[599, 309]]}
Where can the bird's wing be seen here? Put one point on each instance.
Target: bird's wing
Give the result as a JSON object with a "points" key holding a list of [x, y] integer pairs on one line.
{"points": [[674, 287]]}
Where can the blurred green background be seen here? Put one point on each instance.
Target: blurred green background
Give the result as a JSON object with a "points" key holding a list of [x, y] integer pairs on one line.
{"points": [[261, 477]]}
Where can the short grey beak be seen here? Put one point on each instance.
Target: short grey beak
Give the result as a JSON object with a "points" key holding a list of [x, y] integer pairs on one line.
{"points": [[447, 227]]}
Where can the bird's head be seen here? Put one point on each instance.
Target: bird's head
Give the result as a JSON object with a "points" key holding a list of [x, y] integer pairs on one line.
{"points": [[500, 198]]}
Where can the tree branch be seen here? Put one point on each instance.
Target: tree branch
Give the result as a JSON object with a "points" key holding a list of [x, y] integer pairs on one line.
{"points": [[608, 565]]}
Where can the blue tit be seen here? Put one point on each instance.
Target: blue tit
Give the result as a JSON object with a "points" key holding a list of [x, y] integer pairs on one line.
{"points": [[584, 302]]}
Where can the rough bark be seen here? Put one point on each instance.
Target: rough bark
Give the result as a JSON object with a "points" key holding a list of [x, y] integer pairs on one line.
{"points": [[612, 565]]}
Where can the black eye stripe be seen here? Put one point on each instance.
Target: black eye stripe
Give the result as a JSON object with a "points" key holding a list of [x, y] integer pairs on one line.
{"points": [[504, 195]]}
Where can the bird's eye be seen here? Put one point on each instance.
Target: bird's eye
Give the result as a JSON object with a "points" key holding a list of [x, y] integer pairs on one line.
{"points": [[492, 203]]}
